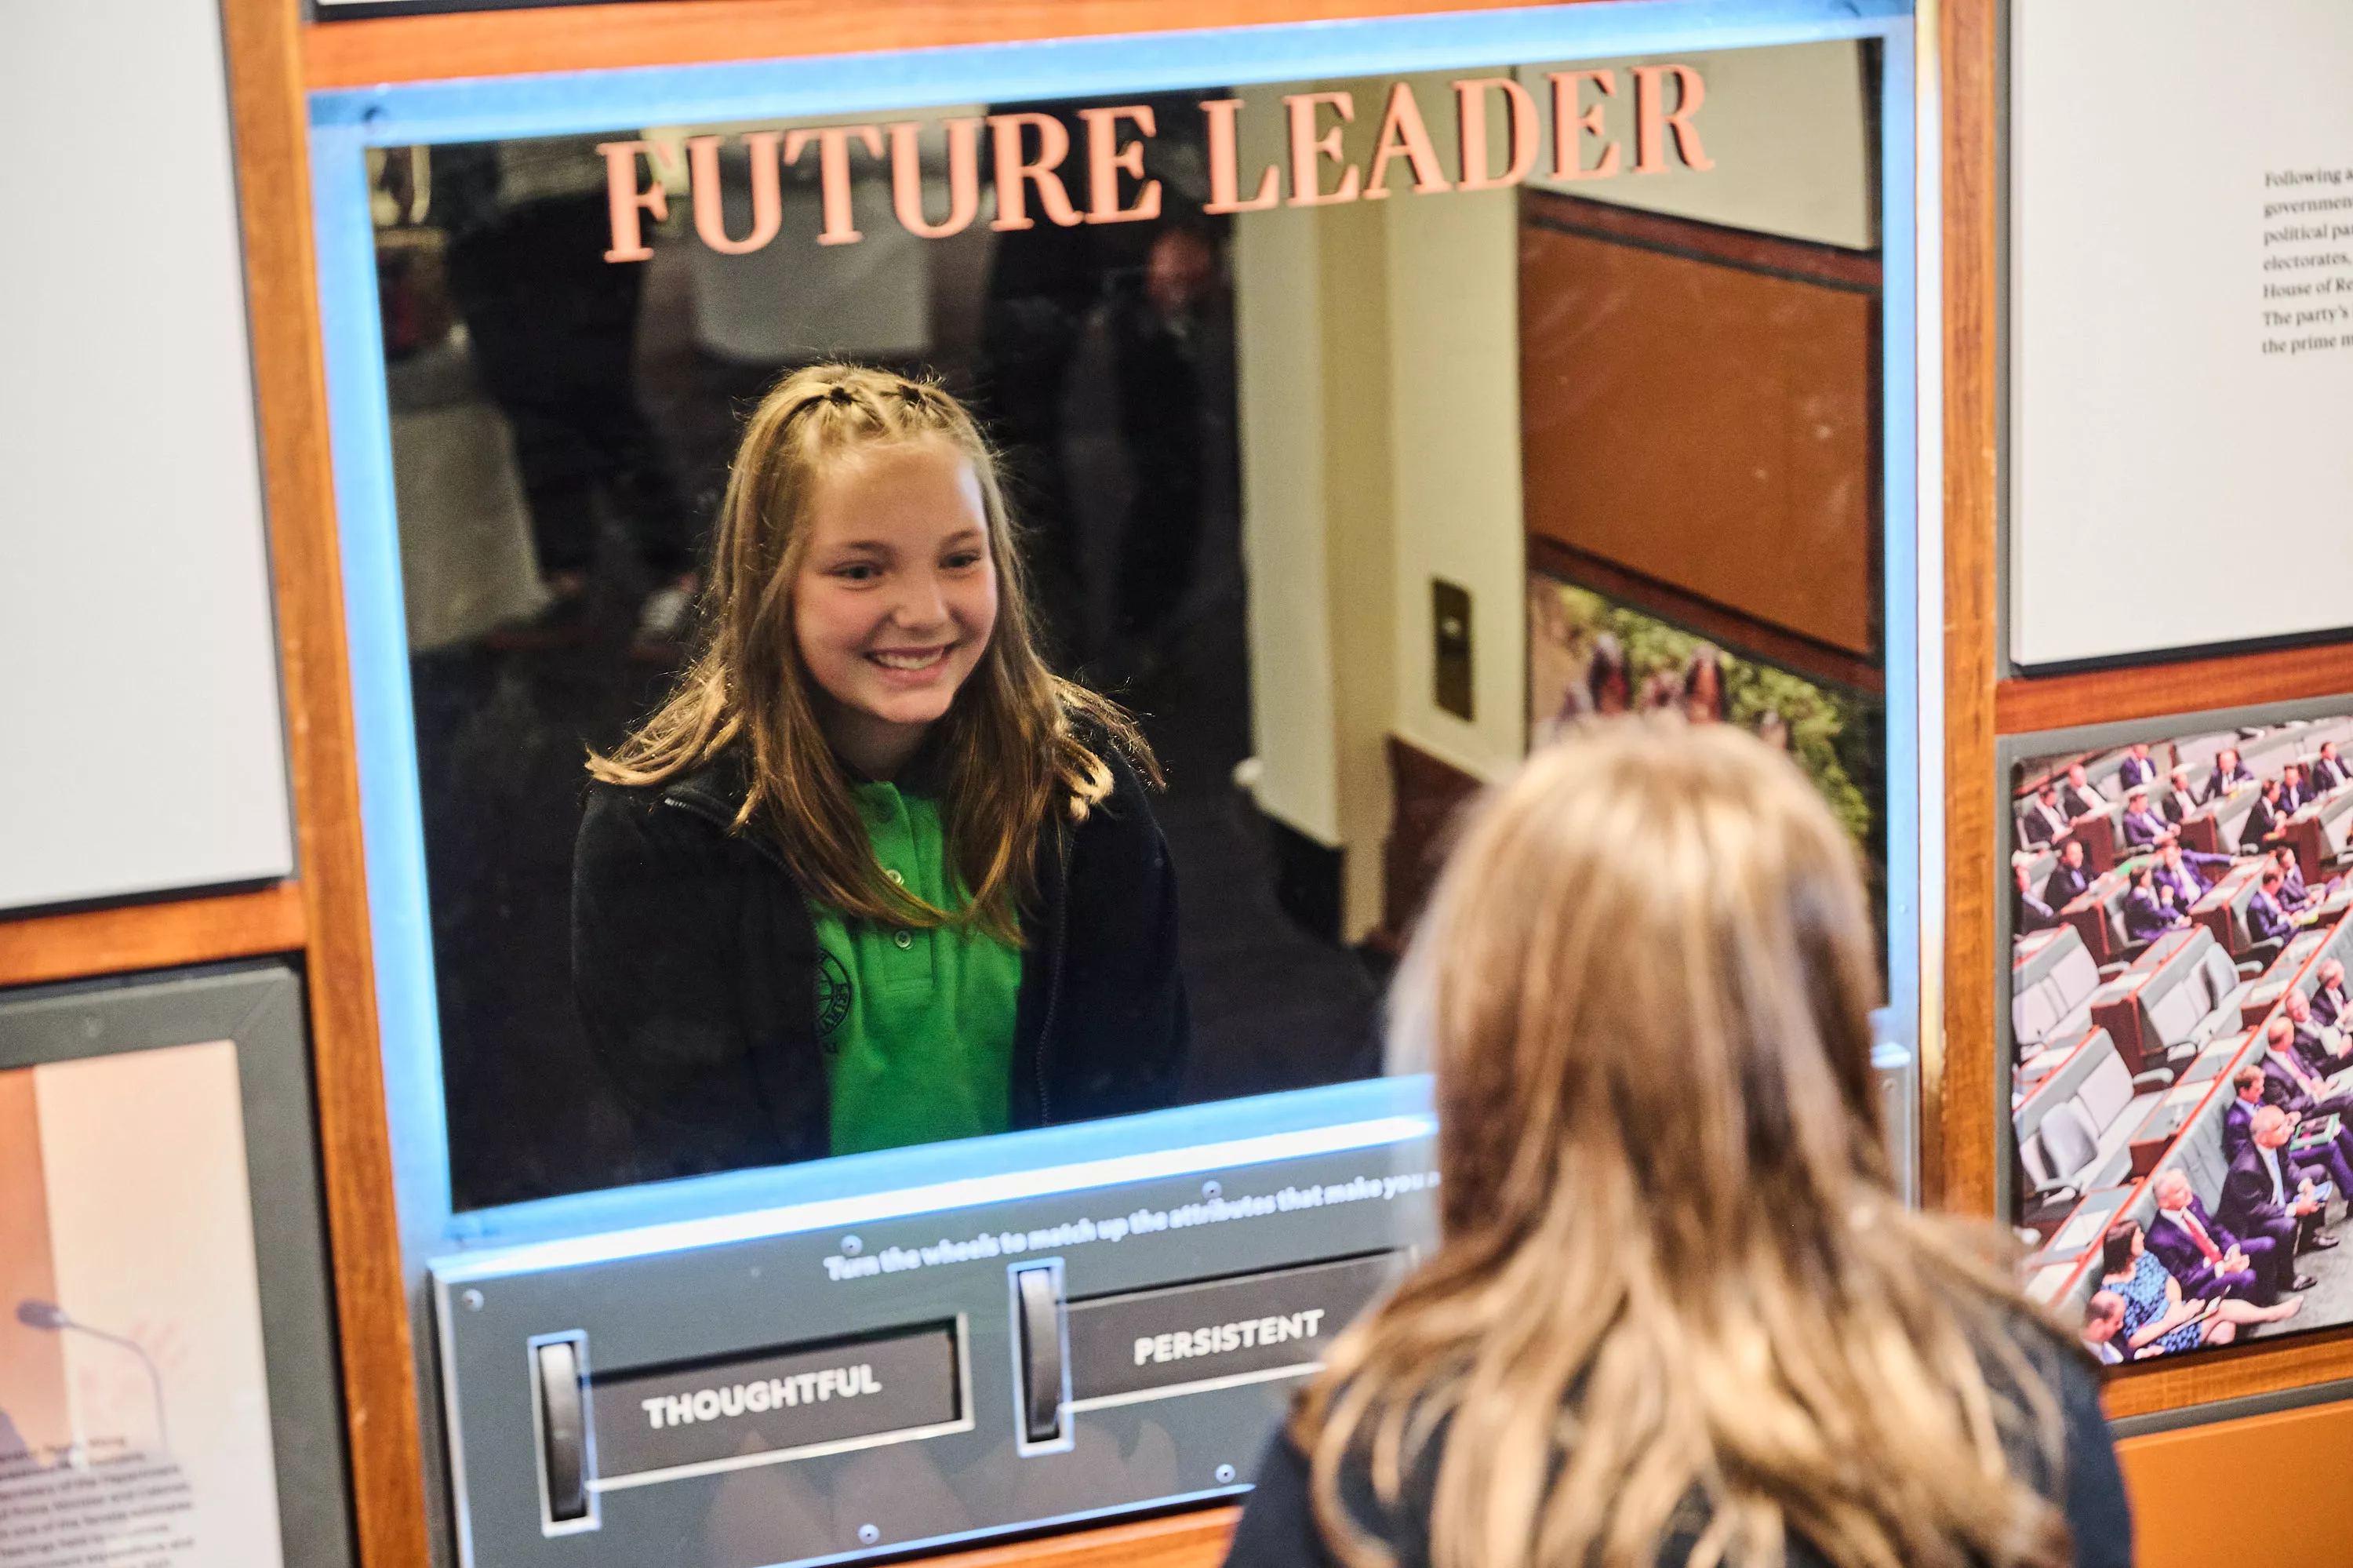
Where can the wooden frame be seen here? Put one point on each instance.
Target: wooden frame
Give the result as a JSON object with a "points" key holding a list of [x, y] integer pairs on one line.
{"points": [[274, 59], [1978, 707]]}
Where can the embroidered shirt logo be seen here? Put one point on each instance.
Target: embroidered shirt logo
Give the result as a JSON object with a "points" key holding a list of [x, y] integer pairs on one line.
{"points": [[832, 998]]}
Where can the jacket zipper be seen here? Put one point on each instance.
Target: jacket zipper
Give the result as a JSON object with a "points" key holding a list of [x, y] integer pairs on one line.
{"points": [[1054, 982]]}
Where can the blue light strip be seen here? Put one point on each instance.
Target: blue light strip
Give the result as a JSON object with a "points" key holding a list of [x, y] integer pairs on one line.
{"points": [[567, 103], [346, 122], [1899, 481]]}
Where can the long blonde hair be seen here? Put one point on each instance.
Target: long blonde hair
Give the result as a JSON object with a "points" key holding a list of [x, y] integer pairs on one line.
{"points": [[1674, 1291], [1008, 748]]}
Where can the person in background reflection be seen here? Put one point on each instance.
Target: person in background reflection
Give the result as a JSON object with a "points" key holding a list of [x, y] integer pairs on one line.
{"points": [[2264, 822], [1773, 730], [2321, 1049], [2137, 771], [2188, 872], [2268, 921], [872, 876], [2267, 1193], [1609, 679], [1703, 697], [1641, 1244]]}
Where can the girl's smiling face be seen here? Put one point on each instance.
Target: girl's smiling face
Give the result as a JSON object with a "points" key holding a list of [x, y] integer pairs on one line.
{"points": [[895, 598]]}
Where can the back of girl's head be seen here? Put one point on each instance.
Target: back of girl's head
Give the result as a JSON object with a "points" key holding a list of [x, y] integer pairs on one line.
{"points": [[1645, 980]]}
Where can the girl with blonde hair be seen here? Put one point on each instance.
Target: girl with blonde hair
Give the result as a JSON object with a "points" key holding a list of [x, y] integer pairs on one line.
{"points": [[1677, 1315], [871, 875]]}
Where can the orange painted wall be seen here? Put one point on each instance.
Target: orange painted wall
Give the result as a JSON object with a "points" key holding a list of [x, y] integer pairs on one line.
{"points": [[2182, 1483]]}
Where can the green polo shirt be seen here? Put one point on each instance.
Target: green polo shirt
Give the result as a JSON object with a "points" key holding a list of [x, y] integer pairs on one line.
{"points": [[917, 1026]]}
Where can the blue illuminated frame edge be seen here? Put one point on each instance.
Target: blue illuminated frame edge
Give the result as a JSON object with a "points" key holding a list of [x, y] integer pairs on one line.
{"points": [[346, 122]]}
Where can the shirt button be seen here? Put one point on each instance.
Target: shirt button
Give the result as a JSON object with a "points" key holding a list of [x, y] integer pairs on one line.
{"points": [[904, 939], [896, 879]]}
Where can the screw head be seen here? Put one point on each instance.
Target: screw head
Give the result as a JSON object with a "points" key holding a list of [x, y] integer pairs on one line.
{"points": [[868, 1535], [473, 1300], [1211, 1189], [1225, 1475], [851, 1247]]}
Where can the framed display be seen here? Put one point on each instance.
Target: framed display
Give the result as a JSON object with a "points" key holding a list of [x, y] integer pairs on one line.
{"points": [[168, 1388], [1268, 334], [2173, 1028]]}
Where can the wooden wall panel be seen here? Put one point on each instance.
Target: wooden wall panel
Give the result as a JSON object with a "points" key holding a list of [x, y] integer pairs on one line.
{"points": [[1958, 1077], [2190, 1488], [1702, 423], [273, 168], [153, 936], [681, 32]]}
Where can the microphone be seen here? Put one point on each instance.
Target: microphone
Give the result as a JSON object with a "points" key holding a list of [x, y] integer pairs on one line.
{"points": [[49, 1316]]}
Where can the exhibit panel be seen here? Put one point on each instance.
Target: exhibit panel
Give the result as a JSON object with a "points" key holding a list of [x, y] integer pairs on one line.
{"points": [[2178, 290], [1247, 332]]}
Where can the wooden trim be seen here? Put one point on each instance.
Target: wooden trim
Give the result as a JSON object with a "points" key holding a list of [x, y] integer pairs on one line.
{"points": [[1743, 634], [2266, 1366], [1958, 1134], [1833, 265], [153, 936], [1195, 1540], [2100, 696], [691, 32], [263, 40]]}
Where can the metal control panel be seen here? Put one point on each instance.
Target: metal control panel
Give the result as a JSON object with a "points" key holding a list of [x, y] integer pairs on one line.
{"points": [[841, 1380]]}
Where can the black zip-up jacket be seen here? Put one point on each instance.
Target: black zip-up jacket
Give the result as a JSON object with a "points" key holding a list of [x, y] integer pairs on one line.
{"points": [[694, 963]]}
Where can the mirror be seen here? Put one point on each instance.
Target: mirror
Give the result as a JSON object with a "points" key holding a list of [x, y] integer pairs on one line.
{"points": [[1354, 434]]}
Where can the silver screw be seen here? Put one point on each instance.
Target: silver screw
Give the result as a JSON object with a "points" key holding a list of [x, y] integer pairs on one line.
{"points": [[473, 1300], [1210, 1189], [1225, 1475], [851, 1247], [868, 1535]]}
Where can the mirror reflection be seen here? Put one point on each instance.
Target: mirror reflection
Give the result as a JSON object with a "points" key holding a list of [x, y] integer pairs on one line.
{"points": [[933, 622]]}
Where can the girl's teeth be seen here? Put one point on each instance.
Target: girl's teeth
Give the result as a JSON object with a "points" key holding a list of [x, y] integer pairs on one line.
{"points": [[908, 661]]}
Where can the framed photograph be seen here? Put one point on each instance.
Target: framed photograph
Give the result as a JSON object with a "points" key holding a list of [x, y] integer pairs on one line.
{"points": [[168, 1389], [2177, 1025]]}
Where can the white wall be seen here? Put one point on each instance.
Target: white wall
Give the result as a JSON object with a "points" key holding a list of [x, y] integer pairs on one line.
{"points": [[138, 665], [2174, 485]]}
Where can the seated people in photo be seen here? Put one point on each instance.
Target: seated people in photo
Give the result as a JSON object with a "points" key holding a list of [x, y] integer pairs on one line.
{"points": [[2188, 873], [2295, 794], [2143, 826], [2228, 775], [2328, 771], [2207, 1260], [2043, 821], [2159, 1319], [2033, 913], [2286, 1087], [2137, 771], [2069, 878], [2181, 800], [2328, 999], [2268, 921], [2321, 1049], [2104, 1320], [2294, 894], [2265, 821], [2077, 795], [1640, 1237], [2268, 1194], [2151, 909], [871, 877]]}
